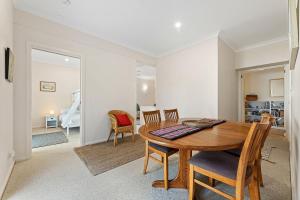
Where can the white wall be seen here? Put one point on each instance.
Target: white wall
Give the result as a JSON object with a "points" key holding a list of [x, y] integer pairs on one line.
{"points": [[227, 83], [275, 52], [295, 137], [6, 95], [201, 81], [67, 81], [188, 80], [145, 98], [257, 82], [108, 76]]}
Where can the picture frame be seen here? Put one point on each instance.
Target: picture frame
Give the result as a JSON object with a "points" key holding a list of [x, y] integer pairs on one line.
{"points": [[277, 87], [46, 86]]}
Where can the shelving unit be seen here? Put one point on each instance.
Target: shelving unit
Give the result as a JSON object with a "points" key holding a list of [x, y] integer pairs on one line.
{"points": [[254, 109]]}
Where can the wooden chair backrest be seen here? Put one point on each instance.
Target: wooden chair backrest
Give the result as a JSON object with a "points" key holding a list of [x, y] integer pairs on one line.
{"points": [[267, 117], [171, 115], [151, 116], [250, 152]]}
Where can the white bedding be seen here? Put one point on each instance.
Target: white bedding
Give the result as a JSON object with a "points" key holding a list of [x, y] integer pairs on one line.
{"points": [[70, 117], [74, 120]]}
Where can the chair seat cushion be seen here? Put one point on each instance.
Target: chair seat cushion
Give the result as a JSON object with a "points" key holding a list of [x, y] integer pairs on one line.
{"points": [[124, 129], [235, 152], [218, 162], [162, 148], [123, 120]]}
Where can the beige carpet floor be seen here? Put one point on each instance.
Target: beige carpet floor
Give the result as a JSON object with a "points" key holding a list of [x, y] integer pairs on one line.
{"points": [[104, 156], [57, 173]]}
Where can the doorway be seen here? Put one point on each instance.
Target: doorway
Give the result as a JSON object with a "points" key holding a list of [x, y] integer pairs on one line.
{"points": [[145, 91], [265, 90], [56, 99]]}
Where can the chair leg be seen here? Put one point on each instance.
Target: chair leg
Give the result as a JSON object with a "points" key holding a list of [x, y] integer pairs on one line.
{"points": [[254, 191], [122, 137], [115, 139], [132, 136], [259, 174], [146, 157], [111, 131], [166, 172], [191, 183]]}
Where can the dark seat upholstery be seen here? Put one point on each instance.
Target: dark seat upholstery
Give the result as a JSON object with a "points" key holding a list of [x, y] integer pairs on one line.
{"points": [[235, 152], [162, 148], [218, 162]]}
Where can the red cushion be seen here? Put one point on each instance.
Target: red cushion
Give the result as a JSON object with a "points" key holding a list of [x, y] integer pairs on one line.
{"points": [[123, 120]]}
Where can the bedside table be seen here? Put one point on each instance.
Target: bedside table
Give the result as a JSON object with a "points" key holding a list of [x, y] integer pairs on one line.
{"points": [[51, 121]]}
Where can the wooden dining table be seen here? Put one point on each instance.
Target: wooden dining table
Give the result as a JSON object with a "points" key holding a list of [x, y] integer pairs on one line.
{"points": [[225, 136]]}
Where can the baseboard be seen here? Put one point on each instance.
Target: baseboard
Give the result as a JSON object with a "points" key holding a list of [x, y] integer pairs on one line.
{"points": [[2, 188], [104, 140], [94, 142], [19, 159]]}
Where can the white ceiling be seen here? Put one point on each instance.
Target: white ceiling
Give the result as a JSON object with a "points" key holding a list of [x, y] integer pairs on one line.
{"points": [[54, 59], [147, 25]]}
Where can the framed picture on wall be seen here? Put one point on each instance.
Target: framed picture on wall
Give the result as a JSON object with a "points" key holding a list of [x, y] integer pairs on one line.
{"points": [[277, 87], [46, 86]]}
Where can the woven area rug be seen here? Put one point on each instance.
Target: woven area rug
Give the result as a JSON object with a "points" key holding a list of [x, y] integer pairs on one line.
{"points": [[48, 139], [102, 157]]}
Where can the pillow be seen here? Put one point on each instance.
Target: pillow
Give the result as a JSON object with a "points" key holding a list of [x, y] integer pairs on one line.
{"points": [[123, 120]]}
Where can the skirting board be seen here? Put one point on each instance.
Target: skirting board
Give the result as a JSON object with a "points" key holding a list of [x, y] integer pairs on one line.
{"points": [[104, 140], [2, 188], [94, 142]]}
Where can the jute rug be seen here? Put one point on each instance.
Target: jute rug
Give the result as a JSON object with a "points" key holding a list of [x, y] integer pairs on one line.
{"points": [[102, 157]]}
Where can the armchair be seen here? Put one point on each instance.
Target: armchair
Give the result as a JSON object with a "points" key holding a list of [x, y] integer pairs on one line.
{"points": [[117, 129]]}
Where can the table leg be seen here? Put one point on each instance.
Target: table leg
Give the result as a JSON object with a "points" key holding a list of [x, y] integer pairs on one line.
{"points": [[182, 178]]}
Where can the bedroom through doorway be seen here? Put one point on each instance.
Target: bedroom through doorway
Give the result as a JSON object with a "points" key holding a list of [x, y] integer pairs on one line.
{"points": [[56, 99]]}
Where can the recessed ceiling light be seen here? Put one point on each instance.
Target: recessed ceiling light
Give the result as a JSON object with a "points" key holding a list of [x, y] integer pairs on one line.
{"points": [[178, 25], [67, 59]]}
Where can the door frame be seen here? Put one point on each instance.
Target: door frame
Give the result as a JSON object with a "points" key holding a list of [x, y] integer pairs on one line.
{"points": [[287, 94], [37, 46]]}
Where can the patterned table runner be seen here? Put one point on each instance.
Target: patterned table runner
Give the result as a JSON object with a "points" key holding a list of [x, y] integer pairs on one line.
{"points": [[175, 132], [181, 130]]}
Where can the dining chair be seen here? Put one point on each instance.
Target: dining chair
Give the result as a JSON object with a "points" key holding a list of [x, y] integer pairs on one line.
{"points": [[237, 172], [171, 115], [120, 129], [162, 151], [151, 116], [265, 118]]}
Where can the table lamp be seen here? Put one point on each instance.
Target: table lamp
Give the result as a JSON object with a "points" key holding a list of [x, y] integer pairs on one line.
{"points": [[51, 112]]}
